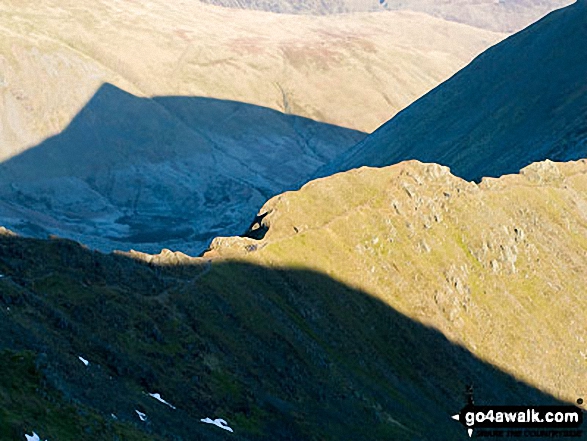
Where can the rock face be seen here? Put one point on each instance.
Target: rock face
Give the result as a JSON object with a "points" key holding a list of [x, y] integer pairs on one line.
{"points": [[497, 266], [501, 16], [524, 100], [107, 145]]}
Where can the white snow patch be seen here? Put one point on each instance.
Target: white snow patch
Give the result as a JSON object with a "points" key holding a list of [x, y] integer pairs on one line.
{"points": [[84, 361], [158, 398], [33, 437], [141, 415], [218, 422]]}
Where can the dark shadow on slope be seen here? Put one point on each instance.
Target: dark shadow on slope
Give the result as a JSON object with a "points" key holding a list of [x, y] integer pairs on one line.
{"points": [[162, 171], [257, 229], [522, 101], [280, 354]]}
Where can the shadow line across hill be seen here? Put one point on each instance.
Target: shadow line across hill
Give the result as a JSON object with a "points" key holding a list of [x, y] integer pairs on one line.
{"points": [[163, 171], [280, 353]]}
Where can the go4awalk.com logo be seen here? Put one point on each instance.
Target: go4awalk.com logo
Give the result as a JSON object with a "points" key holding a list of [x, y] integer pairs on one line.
{"points": [[521, 421]]}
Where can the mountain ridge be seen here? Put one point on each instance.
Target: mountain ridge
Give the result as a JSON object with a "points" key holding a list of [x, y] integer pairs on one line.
{"points": [[520, 117], [416, 226], [430, 259]]}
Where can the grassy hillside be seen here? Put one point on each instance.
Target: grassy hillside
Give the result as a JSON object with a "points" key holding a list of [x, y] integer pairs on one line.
{"points": [[497, 267], [29, 403], [373, 299]]}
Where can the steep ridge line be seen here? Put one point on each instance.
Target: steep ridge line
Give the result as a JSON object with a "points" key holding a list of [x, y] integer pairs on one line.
{"points": [[211, 356], [460, 250], [521, 115]]}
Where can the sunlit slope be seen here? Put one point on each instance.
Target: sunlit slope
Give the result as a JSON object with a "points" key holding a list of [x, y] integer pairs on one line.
{"points": [[521, 101], [498, 267], [150, 173], [503, 16], [353, 71]]}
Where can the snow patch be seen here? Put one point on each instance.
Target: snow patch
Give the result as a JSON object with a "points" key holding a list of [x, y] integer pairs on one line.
{"points": [[218, 422], [84, 361], [141, 415], [158, 398], [33, 437]]}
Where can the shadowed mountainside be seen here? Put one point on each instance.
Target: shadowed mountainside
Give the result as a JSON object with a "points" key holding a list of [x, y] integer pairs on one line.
{"points": [[204, 165], [162, 172], [280, 353], [523, 100]]}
